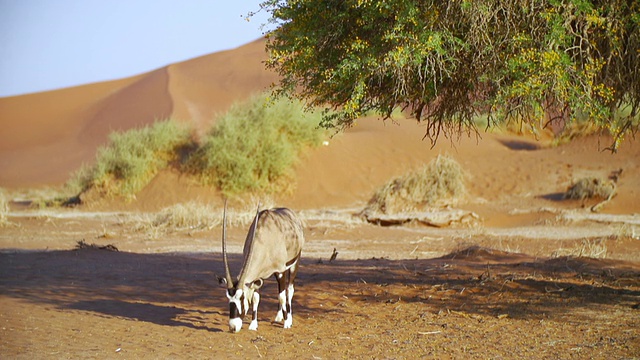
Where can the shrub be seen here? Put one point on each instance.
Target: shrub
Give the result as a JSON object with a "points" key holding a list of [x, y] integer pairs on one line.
{"points": [[438, 183], [132, 158], [254, 146]]}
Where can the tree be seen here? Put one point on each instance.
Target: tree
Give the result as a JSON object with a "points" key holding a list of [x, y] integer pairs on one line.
{"points": [[540, 62]]}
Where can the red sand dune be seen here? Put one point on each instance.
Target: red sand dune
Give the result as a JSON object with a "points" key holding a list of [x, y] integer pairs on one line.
{"points": [[47, 135]]}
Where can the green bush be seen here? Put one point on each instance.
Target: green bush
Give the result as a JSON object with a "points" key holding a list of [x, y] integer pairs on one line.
{"points": [[438, 183], [254, 146], [132, 158]]}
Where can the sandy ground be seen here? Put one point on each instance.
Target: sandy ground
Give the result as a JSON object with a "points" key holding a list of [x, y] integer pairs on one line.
{"points": [[392, 292]]}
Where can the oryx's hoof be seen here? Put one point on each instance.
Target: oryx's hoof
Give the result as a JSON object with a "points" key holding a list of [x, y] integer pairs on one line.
{"points": [[288, 322], [235, 325], [279, 317]]}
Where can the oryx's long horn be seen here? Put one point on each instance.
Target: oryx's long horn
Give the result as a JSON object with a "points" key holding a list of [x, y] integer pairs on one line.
{"points": [[255, 224], [227, 272], [254, 228]]}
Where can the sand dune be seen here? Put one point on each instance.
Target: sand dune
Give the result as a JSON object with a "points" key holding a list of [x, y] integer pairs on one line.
{"points": [[135, 105], [47, 135], [39, 141], [205, 86]]}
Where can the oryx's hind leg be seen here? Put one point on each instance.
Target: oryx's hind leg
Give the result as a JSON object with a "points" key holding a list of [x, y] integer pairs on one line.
{"points": [[290, 290], [285, 293], [282, 295]]}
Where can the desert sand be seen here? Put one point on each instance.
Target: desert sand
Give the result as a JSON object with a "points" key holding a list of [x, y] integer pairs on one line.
{"points": [[532, 276]]}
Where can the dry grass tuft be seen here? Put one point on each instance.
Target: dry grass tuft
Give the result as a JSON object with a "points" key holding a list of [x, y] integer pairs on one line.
{"points": [[439, 183], [590, 188], [4, 209], [588, 248], [190, 217]]}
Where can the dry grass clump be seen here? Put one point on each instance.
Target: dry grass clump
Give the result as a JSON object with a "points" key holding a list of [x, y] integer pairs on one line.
{"points": [[439, 183], [191, 216], [590, 188], [587, 248], [4, 209]]}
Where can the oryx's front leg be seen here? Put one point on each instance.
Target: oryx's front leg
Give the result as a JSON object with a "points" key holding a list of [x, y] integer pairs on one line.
{"points": [[254, 311]]}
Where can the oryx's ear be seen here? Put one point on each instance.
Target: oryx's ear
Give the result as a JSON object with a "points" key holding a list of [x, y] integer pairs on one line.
{"points": [[256, 284], [221, 280]]}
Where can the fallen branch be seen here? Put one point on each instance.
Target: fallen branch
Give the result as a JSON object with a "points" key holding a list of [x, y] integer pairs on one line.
{"points": [[429, 332], [435, 218], [82, 245]]}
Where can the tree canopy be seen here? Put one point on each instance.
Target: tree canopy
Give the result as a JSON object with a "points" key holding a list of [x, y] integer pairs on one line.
{"points": [[445, 62]]}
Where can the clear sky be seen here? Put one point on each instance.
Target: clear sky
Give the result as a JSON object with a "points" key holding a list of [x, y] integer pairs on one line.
{"points": [[51, 44]]}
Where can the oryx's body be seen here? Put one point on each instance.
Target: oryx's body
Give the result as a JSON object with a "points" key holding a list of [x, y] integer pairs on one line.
{"points": [[272, 247]]}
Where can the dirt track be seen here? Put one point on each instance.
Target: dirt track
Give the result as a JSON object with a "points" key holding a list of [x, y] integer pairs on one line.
{"points": [[475, 303]]}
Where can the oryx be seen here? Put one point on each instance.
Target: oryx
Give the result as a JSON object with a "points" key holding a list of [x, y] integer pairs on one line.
{"points": [[272, 247]]}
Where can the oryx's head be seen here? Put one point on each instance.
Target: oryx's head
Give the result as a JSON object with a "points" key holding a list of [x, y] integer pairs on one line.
{"points": [[240, 292]]}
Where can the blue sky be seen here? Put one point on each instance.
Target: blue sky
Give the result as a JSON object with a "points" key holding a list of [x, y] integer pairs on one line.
{"points": [[51, 44]]}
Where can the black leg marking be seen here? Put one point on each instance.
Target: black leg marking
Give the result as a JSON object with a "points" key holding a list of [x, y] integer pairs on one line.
{"points": [[234, 312]]}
